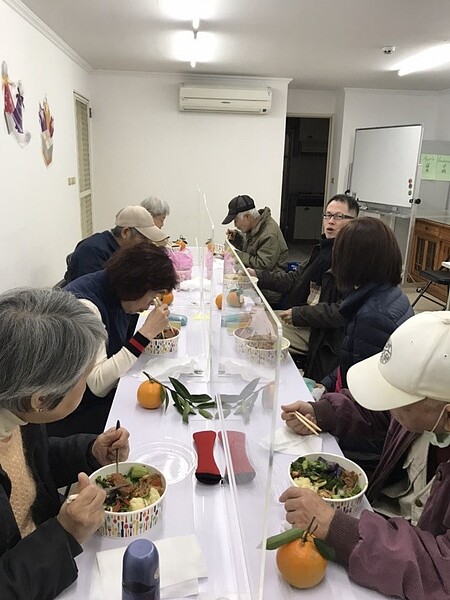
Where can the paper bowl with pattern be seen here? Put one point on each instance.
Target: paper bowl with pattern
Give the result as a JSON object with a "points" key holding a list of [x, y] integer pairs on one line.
{"points": [[135, 522], [348, 505], [165, 343], [260, 348]]}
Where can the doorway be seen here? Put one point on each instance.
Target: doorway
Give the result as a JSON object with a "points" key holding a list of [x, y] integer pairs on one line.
{"points": [[82, 114], [304, 182]]}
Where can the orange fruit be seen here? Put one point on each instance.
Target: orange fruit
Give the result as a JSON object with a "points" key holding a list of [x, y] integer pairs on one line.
{"points": [[182, 244], [219, 301], [168, 298], [149, 394], [300, 563], [235, 298]]}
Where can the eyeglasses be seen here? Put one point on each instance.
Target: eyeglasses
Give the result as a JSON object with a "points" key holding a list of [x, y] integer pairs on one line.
{"points": [[336, 216]]}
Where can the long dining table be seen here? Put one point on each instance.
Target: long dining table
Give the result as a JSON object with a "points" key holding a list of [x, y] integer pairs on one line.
{"points": [[194, 508]]}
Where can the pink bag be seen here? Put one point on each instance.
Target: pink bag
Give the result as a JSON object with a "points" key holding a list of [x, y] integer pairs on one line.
{"points": [[183, 262]]}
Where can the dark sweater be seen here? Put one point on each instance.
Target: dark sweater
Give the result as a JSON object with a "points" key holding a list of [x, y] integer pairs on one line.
{"points": [[90, 255]]}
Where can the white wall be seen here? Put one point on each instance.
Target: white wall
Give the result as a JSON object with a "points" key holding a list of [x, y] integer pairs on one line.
{"points": [[443, 116], [308, 102], [40, 222], [144, 145]]}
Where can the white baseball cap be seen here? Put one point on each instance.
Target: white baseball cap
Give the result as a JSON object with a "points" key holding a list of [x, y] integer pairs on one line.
{"points": [[141, 220], [414, 364]]}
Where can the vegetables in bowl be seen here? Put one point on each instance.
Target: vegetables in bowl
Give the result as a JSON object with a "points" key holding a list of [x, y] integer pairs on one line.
{"points": [[328, 479], [143, 489], [339, 481]]}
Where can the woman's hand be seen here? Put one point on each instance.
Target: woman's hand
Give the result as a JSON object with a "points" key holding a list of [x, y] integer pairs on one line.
{"points": [[286, 316], [302, 505], [156, 321], [105, 446], [303, 408], [82, 517]]}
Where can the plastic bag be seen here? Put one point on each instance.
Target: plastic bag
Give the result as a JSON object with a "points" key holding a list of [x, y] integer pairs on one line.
{"points": [[183, 262]]}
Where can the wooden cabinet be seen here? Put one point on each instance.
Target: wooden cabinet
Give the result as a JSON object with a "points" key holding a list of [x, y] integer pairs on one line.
{"points": [[430, 246]]}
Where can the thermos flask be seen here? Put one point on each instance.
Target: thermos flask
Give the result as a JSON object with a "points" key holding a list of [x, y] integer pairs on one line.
{"points": [[140, 571]]}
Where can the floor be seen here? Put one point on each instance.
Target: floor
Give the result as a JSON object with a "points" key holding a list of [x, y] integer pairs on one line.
{"points": [[300, 251]]}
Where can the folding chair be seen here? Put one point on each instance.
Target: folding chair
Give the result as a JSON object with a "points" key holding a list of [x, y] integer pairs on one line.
{"points": [[440, 276]]}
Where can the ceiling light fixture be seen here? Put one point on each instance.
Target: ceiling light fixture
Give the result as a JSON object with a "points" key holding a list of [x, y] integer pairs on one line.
{"points": [[196, 23], [429, 59], [194, 50]]}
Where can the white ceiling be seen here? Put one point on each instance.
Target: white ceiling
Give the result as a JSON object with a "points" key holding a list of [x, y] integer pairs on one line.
{"points": [[320, 44]]}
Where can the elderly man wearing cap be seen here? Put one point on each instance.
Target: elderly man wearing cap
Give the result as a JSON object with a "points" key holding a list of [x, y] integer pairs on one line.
{"points": [[258, 238], [133, 224], [407, 554]]}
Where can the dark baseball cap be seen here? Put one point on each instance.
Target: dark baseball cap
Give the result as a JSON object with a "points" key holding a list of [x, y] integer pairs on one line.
{"points": [[237, 205]]}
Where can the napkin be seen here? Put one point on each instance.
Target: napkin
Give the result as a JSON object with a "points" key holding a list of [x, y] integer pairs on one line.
{"points": [[287, 441], [180, 561], [162, 368], [248, 371], [190, 285]]}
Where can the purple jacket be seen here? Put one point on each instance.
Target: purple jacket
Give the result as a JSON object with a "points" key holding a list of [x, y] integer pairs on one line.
{"points": [[391, 555]]}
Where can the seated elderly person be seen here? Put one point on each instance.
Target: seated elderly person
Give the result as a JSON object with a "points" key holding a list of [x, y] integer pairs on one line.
{"points": [[159, 209], [41, 382], [258, 238], [133, 225], [406, 552], [133, 277]]}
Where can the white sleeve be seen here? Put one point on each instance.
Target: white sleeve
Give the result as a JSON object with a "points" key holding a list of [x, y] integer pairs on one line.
{"points": [[106, 371]]}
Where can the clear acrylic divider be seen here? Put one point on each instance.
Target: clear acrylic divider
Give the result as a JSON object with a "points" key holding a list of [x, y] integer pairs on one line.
{"points": [[247, 349]]}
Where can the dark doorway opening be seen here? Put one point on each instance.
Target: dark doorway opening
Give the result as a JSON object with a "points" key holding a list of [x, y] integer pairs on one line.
{"points": [[304, 181]]}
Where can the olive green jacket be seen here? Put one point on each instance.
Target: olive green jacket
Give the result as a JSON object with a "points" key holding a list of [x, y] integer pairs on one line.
{"points": [[264, 247]]}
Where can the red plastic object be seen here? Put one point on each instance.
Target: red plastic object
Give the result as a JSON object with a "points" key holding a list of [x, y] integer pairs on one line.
{"points": [[207, 471], [243, 470]]}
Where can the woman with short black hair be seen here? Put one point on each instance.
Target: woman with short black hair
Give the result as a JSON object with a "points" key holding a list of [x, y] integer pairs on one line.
{"points": [[132, 278]]}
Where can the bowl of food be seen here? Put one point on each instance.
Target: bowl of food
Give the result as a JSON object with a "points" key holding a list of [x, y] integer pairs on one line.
{"points": [[339, 481], [260, 348], [137, 506], [232, 280], [165, 342]]}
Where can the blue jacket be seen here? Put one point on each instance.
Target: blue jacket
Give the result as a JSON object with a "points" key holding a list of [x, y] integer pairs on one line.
{"points": [[90, 255], [372, 312], [91, 414]]}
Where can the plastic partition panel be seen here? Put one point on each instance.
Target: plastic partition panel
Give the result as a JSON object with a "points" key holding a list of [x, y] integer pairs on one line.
{"points": [[246, 361]]}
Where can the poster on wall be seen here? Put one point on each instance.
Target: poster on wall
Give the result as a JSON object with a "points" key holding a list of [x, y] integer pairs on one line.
{"points": [[14, 110], [47, 130]]}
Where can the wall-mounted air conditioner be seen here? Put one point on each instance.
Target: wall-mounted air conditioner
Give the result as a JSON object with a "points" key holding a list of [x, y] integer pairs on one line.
{"points": [[218, 99]]}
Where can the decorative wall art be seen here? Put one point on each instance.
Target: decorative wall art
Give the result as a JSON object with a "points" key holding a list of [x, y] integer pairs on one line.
{"points": [[47, 130], [14, 110]]}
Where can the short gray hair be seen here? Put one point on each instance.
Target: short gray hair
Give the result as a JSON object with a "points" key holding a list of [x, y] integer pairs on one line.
{"points": [[253, 213], [156, 207], [49, 339]]}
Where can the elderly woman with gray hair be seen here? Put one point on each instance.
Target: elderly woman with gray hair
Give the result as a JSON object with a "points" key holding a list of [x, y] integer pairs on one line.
{"points": [[159, 209], [50, 341]]}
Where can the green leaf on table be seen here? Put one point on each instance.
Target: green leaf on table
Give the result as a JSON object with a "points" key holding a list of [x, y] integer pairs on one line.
{"points": [[207, 405], [164, 398], [176, 399], [199, 397], [324, 549], [180, 388], [186, 411], [286, 537], [249, 388], [229, 398], [205, 413]]}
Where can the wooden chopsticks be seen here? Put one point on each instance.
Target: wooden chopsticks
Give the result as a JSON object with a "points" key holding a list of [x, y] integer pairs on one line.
{"points": [[315, 429]]}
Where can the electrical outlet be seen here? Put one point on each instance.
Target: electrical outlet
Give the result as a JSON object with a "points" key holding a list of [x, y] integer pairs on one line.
{"points": [[71, 181]]}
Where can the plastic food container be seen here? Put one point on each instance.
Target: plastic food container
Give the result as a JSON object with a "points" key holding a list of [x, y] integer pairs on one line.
{"points": [[348, 505], [135, 522], [166, 344], [259, 348]]}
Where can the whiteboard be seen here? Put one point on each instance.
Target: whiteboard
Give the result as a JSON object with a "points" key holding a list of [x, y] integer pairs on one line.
{"points": [[385, 161]]}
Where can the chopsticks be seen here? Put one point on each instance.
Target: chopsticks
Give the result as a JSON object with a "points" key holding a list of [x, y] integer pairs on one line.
{"points": [[117, 449], [315, 429], [108, 491]]}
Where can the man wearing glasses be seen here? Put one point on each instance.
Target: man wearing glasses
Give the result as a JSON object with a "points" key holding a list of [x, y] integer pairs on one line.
{"points": [[310, 316]]}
